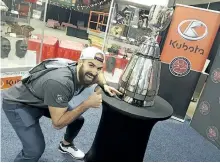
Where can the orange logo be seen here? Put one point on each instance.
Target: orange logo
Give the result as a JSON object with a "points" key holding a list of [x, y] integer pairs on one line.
{"points": [[7, 82], [191, 35]]}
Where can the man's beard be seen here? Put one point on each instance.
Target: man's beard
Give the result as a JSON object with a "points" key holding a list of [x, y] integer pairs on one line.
{"points": [[83, 76]]}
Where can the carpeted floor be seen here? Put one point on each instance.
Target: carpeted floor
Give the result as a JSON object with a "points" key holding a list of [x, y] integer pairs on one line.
{"points": [[170, 141]]}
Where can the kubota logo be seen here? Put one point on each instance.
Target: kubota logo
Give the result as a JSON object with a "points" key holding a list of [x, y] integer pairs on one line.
{"points": [[192, 30]]}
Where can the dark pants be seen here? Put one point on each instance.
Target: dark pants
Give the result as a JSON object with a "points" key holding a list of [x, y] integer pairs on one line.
{"points": [[25, 121]]}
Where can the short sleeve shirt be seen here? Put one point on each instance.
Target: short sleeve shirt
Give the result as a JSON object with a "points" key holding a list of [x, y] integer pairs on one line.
{"points": [[56, 94], [56, 88]]}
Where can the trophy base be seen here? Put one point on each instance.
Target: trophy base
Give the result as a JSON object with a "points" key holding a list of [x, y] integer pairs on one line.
{"points": [[138, 103], [148, 104]]}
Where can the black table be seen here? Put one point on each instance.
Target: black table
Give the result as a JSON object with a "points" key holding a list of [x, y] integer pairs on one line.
{"points": [[124, 130], [77, 32]]}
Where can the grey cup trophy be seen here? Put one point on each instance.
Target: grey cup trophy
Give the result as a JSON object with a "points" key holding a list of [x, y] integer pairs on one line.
{"points": [[140, 80]]}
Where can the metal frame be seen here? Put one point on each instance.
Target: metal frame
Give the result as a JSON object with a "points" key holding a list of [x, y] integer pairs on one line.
{"points": [[108, 24], [42, 39]]}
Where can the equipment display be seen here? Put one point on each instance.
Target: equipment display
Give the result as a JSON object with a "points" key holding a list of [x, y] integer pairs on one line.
{"points": [[15, 53], [127, 25], [185, 51]]}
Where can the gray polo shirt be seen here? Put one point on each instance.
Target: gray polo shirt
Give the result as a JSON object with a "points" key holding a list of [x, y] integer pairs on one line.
{"points": [[56, 88]]}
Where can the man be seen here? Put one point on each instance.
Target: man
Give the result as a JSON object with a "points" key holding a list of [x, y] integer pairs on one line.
{"points": [[5, 47], [5, 51], [21, 48], [55, 89]]}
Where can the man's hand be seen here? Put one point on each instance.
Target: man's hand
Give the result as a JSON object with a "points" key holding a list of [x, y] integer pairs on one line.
{"points": [[111, 91], [94, 100]]}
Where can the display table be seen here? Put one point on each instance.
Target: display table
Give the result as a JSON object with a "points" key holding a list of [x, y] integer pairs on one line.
{"points": [[52, 23], [71, 31], [82, 33], [79, 32], [124, 130], [50, 45], [70, 50]]}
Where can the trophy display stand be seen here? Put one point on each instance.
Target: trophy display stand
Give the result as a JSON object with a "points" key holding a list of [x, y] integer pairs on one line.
{"points": [[124, 130]]}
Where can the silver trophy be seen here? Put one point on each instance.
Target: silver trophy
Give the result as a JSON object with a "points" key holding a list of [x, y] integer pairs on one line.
{"points": [[159, 18], [140, 80]]}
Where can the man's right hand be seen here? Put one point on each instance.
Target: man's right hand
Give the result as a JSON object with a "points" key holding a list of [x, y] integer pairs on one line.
{"points": [[94, 100]]}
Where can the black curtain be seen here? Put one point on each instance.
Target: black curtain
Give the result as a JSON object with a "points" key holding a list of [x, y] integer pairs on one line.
{"points": [[212, 6], [58, 13], [8, 3], [213, 51], [79, 16], [62, 14]]}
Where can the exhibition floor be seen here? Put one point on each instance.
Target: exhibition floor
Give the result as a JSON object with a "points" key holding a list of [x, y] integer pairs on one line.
{"points": [[170, 141], [60, 34]]}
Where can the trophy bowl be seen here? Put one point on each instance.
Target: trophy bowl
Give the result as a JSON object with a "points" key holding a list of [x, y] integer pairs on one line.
{"points": [[140, 80], [159, 17]]}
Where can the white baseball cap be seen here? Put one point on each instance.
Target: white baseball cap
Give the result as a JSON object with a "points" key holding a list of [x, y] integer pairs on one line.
{"points": [[90, 53]]}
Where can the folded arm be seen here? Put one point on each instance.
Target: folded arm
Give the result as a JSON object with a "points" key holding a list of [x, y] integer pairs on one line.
{"points": [[61, 117]]}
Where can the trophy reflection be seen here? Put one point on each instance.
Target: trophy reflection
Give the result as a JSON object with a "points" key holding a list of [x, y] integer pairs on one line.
{"points": [[140, 80]]}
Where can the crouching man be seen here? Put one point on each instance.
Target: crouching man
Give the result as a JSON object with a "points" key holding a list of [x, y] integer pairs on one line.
{"points": [[48, 95]]}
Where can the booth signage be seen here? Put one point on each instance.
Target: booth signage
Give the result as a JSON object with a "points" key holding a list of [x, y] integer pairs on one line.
{"points": [[187, 46], [7, 82], [8, 79], [206, 119]]}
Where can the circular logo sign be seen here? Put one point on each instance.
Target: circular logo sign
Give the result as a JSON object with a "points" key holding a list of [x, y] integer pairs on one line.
{"points": [[204, 108], [180, 66], [212, 133], [215, 76], [192, 30]]}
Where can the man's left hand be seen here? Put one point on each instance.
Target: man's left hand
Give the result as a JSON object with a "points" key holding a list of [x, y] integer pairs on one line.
{"points": [[111, 91]]}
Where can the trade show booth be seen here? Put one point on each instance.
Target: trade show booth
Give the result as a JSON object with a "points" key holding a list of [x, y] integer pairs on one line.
{"points": [[33, 31], [156, 56]]}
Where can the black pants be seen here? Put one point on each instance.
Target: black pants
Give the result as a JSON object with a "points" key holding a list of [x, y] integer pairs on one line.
{"points": [[25, 121], [72, 129]]}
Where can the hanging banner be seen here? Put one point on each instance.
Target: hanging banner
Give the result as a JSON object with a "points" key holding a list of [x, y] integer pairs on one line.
{"points": [[187, 46], [206, 119]]}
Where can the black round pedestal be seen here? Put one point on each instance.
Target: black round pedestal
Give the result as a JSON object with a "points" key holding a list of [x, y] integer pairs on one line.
{"points": [[124, 130]]}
